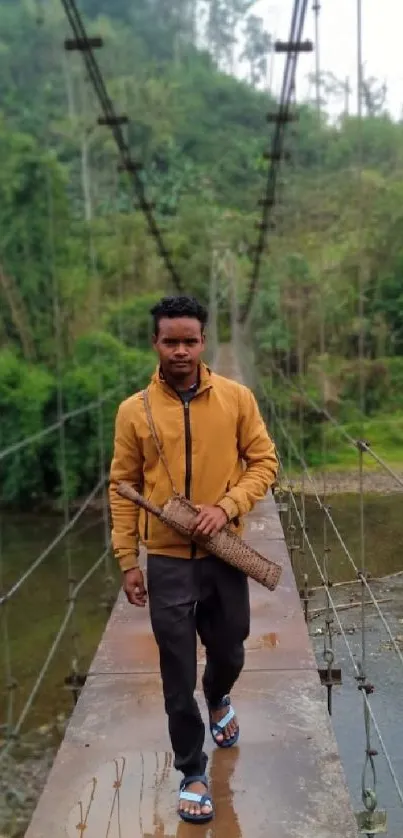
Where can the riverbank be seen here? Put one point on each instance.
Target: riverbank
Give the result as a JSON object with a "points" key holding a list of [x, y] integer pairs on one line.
{"points": [[24, 773], [347, 481], [338, 479]]}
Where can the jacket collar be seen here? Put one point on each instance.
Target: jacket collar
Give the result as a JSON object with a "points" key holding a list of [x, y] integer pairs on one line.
{"points": [[205, 378]]}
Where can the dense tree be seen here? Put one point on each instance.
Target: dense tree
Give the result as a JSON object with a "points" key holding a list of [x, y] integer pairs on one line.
{"points": [[78, 270], [257, 48]]}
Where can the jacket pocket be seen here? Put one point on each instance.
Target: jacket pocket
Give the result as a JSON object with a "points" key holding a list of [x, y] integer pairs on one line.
{"points": [[146, 523]]}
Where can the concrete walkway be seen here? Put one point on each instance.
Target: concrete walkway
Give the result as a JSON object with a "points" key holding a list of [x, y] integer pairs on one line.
{"points": [[113, 776]]}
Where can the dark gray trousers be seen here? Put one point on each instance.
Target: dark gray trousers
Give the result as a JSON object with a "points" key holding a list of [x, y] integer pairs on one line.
{"points": [[188, 597]]}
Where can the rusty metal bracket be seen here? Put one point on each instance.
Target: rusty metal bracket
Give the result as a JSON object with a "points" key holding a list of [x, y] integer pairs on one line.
{"points": [[304, 594], [372, 823], [281, 117], [130, 166], [293, 46], [75, 682], [266, 202], [276, 156], [330, 678], [114, 119], [83, 44], [261, 225]]}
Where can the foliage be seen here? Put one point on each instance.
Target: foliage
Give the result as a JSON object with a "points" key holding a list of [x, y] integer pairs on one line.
{"points": [[25, 392], [79, 271], [101, 372], [130, 321]]}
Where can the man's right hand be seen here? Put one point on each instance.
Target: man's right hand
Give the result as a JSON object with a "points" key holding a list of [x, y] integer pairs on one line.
{"points": [[133, 586]]}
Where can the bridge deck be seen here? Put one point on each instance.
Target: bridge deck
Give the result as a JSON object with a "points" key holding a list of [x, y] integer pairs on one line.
{"points": [[113, 776]]}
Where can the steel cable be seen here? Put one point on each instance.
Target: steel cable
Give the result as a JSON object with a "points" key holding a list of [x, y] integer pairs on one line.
{"points": [[52, 651], [132, 167], [51, 546], [340, 537], [356, 670], [277, 150]]}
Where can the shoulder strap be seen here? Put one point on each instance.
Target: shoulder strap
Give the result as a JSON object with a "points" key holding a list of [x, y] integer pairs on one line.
{"points": [[154, 435]]}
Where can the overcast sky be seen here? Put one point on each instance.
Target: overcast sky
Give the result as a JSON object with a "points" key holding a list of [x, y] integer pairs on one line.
{"points": [[382, 34]]}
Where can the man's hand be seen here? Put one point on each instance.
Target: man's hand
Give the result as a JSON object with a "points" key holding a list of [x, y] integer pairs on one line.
{"points": [[210, 520], [133, 586]]}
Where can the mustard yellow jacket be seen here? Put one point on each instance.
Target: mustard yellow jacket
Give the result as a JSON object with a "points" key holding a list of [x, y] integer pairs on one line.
{"points": [[218, 451]]}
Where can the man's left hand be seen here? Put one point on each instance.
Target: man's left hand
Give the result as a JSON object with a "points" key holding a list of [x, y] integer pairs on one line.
{"points": [[210, 520]]}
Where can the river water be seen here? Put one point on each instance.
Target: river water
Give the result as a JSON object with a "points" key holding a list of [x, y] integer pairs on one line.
{"points": [[35, 613]]}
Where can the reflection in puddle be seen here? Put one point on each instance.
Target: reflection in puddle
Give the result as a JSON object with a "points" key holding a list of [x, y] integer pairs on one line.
{"points": [[124, 799], [87, 804], [135, 796]]}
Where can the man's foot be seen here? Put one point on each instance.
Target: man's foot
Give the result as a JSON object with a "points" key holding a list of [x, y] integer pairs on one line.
{"points": [[229, 730], [224, 724], [195, 804]]}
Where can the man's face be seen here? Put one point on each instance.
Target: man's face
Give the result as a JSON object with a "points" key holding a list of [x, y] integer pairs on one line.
{"points": [[179, 344]]}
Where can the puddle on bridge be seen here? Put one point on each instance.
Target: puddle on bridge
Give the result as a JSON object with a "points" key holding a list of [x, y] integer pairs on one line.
{"points": [[136, 794]]}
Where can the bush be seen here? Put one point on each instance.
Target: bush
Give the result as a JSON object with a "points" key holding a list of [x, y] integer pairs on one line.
{"points": [[131, 321], [25, 392], [101, 368]]}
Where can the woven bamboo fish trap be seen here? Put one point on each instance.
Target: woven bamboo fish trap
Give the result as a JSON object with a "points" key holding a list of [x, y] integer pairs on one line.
{"points": [[180, 514]]}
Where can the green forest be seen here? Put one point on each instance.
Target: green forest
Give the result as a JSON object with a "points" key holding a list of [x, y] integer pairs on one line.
{"points": [[79, 271]]}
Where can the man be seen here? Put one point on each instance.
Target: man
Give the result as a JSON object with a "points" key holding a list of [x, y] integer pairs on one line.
{"points": [[203, 435]]}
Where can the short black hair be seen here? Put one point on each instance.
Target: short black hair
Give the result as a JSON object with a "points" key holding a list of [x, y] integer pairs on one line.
{"points": [[179, 307]]}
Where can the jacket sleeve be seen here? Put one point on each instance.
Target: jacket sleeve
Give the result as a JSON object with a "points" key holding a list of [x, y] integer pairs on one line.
{"points": [[127, 464], [258, 452]]}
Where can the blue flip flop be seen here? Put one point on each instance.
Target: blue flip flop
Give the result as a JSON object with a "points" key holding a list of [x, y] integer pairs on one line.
{"points": [[192, 797], [217, 728]]}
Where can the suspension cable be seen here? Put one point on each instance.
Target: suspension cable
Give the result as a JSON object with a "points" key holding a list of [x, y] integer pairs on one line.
{"points": [[368, 792], [276, 154], [62, 465], [355, 667], [54, 543], [52, 651], [328, 649], [9, 681], [111, 119], [55, 426], [108, 579], [346, 551]]}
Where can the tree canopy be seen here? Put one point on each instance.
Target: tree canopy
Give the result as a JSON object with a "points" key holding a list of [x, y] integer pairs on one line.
{"points": [[78, 270]]}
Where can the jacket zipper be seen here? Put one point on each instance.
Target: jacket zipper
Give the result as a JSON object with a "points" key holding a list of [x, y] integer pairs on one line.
{"points": [[188, 462], [188, 451]]}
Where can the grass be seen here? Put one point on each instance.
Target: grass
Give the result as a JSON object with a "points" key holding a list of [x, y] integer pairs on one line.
{"points": [[384, 435]]}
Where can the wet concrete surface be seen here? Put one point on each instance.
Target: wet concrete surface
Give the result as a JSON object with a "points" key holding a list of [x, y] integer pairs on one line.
{"points": [[113, 775], [283, 780], [114, 769]]}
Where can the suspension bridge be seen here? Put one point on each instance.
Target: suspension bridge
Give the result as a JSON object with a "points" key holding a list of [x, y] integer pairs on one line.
{"points": [[113, 773]]}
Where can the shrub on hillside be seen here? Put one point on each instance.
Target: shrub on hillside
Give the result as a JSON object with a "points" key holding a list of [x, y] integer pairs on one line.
{"points": [[101, 373], [25, 393], [131, 322]]}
